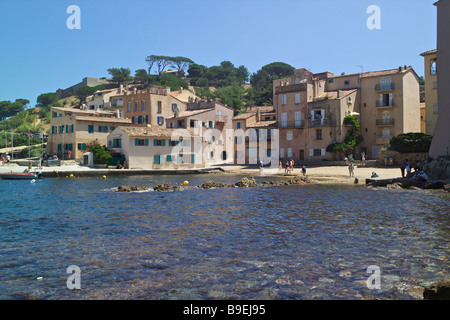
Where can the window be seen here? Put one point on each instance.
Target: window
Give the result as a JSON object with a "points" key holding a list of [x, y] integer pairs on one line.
{"points": [[159, 110], [298, 118], [136, 106], [433, 67], [160, 120], [91, 128], [318, 134], [81, 146], [289, 135], [238, 125], [297, 98], [284, 120], [347, 83], [281, 153], [174, 107], [173, 143], [317, 152], [434, 84], [113, 128], [330, 80], [129, 107], [237, 140], [114, 102], [289, 152], [141, 142], [283, 99], [158, 159], [143, 105], [54, 114], [435, 108], [159, 142], [385, 83]]}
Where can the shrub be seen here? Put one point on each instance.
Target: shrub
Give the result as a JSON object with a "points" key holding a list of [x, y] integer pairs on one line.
{"points": [[411, 142], [101, 155]]}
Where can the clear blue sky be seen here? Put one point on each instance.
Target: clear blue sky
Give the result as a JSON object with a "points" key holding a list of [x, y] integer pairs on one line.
{"points": [[40, 54]]}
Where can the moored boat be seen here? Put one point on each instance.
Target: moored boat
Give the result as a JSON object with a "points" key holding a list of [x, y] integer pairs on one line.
{"points": [[19, 175]]}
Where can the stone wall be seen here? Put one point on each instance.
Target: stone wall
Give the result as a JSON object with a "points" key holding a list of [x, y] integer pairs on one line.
{"points": [[398, 157], [438, 169]]}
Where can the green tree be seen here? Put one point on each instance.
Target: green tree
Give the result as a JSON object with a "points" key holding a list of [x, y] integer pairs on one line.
{"points": [[83, 92], [352, 140], [231, 96], [142, 77], [181, 64], [46, 99], [196, 70], [101, 154], [120, 75]]}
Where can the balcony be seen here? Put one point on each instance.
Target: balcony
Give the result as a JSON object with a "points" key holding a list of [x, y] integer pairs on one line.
{"points": [[383, 140], [291, 124], [385, 122], [384, 87], [384, 104], [319, 122], [221, 118]]}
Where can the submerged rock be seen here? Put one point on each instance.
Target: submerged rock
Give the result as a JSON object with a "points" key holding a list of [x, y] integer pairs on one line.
{"points": [[212, 184], [245, 182], [166, 187], [131, 188], [438, 291]]}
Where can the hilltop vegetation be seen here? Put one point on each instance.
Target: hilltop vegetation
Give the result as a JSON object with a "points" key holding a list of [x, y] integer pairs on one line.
{"points": [[231, 85]]}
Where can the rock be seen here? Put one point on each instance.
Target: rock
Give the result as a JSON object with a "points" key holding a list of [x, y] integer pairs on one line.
{"points": [[166, 187], [130, 188], [244, 182], [438, 291], [212, 184], [394, 185], [447, 187], [433, 185]]}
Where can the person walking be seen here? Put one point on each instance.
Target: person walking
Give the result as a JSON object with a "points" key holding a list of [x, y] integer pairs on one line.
{"points": [[303, 170], [351, 169], [403, 168], [363, 159]]}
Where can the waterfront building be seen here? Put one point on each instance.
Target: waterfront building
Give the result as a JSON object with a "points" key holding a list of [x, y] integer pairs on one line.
{"points": [[71, 130], [431, 94], [310, 109], [250, 144], [101, 99], [440, 145]]}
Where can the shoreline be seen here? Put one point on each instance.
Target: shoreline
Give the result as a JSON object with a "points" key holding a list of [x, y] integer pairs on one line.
{"points": [[325, 175]]}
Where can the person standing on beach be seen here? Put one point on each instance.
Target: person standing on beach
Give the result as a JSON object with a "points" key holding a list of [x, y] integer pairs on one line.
{"points": [[303, 170], [408, 168], [351, 169], [363, 159], [402, 168]]}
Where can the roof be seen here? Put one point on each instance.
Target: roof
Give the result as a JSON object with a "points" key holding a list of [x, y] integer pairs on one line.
{"points": [[189, 113], [244, 116], [262, 124], [262, 109], [426, 53], [149, 131], [379, 73], [84, 112], [332, 95], [103, 119]]}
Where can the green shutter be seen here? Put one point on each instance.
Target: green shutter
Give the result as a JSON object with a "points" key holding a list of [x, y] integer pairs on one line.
{"points": [[59, 147], [70, 147], [67, 128], [120, 142], [157, 159], [193, 158], [169, 158], [83, 146], [146, 142], [136, 142], [164, 142], [155, 142]]}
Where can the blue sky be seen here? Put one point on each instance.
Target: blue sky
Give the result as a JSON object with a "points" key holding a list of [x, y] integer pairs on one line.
{"points": [[40, 54]]}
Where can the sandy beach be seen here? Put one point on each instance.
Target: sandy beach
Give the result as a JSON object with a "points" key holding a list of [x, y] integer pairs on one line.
{"points": [[319, 174]]}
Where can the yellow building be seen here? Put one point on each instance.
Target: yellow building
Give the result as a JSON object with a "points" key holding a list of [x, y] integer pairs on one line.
{"points": [[431, 96]]}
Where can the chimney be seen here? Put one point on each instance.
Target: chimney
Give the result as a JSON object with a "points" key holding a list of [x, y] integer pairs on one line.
{"points": [[135, 90], [121, 88]]}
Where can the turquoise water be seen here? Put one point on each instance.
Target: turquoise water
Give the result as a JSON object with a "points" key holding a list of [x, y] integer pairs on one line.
{"points": [[290, 242]]}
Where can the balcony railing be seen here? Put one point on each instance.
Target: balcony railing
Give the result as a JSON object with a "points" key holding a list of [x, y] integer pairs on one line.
{"points": [[319, 122], [384, 104], [291, 124], [384, 87], [385, 122]]}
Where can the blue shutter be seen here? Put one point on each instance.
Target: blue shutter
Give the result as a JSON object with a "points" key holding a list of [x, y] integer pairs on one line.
{"points": [[164, 142], [136, 142], [193, 158], [169, 158], [120, 142], [146, 142], [155, 142]]}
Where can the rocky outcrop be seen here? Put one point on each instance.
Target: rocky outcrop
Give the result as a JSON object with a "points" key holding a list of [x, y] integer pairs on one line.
{"points": [[212, 184], [438, 291], [244, 182], [131, 188], [438, 169], [405, 183], [166, 187]]}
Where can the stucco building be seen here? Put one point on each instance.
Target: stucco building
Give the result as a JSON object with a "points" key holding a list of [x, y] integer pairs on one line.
{"points": [[73, 129], [431, 95], [440, 145]]}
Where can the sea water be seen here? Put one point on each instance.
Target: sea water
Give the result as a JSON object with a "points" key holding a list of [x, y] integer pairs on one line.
{"points": [[286, 242]]}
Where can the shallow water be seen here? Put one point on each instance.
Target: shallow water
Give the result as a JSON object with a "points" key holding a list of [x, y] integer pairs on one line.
{"points": [[290, 242]]}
